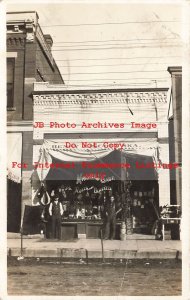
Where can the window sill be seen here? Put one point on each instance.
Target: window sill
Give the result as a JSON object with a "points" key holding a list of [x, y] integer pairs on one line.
{"points": [[11, 108]]}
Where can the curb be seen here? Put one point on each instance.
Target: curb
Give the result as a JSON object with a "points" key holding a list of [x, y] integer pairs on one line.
{"points": [[88, 254]]}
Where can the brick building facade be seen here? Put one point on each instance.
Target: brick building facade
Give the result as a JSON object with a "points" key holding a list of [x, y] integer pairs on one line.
{"points": [[29, 60]]}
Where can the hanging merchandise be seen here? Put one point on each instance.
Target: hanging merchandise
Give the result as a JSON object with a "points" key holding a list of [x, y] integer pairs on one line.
{"points": [[41, 191], [43, 195], [135, 222], [129, 226], [52, 193], [62, 192], [105, 188], [123, 231], [79, 197], [81, 178], [123, 227], [45, 199], [139, 202], [68, 188], [84, 189]]}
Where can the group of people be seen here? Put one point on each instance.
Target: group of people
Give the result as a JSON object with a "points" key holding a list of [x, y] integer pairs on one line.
{"points": [[109, 211]]}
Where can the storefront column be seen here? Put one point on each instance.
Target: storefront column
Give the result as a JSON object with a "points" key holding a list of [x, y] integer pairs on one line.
{"points": [[164, 187], [26, 190], [37, 144], [27, 152], [35, 179], [163, 174]]}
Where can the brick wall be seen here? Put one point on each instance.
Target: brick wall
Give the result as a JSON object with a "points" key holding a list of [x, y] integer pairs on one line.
{"points": [[17, 45], [49, 73], [30, 58]]}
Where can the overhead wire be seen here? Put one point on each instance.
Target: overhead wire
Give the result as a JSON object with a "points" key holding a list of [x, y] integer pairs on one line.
{"points": [[111, 48], [106, 48], [110, 58], [115, 65], [116, 58], [111, 23], [112, 72], [115, 44], [115, 40], [89, 66]]}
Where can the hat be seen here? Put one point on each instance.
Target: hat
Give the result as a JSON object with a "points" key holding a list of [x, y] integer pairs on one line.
{"points": [[56, 196]]}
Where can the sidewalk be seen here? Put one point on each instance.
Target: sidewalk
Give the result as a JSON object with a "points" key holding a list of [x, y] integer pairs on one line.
{"points": [[92, 248]]}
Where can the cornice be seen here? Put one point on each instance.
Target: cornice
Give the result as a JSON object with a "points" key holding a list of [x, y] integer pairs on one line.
{"points": [[45, 48], [85, 99], [15, 41], [28, 25], [20, 123], [49, 88], [175, 70]]}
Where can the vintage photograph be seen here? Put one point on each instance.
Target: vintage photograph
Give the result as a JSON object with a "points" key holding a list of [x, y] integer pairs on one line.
{"points": [[94, 148]]}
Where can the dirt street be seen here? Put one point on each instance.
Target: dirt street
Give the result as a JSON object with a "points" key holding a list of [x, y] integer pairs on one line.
{"points": [[129, 278]]}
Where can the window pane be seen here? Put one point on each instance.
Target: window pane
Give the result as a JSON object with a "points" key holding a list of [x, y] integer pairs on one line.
{"points": [[10, 82]]}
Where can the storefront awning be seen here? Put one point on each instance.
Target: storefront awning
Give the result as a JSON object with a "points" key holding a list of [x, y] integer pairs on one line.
{"points": [[56, 149], [14, 150]]}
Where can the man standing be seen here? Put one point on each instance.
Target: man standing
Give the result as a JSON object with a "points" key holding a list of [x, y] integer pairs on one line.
{"points": [[56, 211], [110, 219]]}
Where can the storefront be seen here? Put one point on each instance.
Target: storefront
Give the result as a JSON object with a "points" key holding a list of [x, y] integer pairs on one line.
{"points": [[89, 145]]}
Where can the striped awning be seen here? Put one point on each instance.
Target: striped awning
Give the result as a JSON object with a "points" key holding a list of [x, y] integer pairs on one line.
{"points": [[14, 151]]}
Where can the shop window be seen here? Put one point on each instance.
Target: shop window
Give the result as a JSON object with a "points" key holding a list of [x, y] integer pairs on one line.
{"points": [[10, 82]]}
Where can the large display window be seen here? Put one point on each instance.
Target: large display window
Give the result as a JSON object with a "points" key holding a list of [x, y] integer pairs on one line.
{"points": [[84, 194]]}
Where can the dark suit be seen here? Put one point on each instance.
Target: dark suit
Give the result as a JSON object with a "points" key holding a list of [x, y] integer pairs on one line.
{"points": [[110, 220], [56, 220]]}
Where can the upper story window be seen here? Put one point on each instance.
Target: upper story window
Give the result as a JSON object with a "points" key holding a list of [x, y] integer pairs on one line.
{"points": [[10, 82]]}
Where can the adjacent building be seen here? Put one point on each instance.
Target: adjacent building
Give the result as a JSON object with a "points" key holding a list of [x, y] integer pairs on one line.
{"points": [[175, 133], [29, 59]]}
